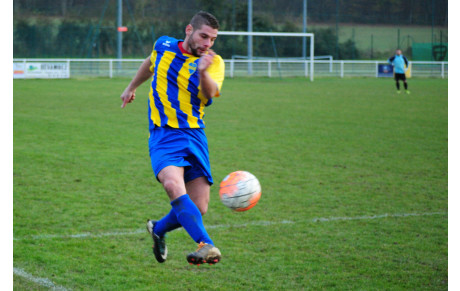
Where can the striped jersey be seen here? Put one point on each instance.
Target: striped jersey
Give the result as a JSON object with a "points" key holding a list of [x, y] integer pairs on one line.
{"points": [[175, 97]]}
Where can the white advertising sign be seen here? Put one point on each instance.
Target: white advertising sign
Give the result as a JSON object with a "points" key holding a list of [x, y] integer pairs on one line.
{"points": [[19, 70], [36, 70]]}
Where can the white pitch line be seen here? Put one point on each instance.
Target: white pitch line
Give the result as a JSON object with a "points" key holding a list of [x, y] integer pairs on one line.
{"points": [[255, 223], [40, 281], [366, 217], [83, 235]]}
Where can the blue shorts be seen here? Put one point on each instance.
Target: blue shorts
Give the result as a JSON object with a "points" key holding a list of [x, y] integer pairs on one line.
{"points": [[186, 148]]}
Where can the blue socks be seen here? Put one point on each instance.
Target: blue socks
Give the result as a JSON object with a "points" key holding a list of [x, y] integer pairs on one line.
{"points": [[184, 213], [167, 224]]}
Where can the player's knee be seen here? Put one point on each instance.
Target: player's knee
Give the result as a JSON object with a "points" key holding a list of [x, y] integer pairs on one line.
{"points": [[173, 187], [202, 205], [203, 209]]}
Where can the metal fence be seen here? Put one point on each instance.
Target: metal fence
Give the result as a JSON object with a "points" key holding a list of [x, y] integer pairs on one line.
{"points": [[260, 68]]}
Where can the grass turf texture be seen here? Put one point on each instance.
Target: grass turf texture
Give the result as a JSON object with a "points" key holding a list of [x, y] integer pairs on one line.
{"points": [[332, 148]]}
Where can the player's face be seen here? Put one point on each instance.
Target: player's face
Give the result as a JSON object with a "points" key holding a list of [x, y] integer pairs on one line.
{"points": [[398, 52], [201, 40]]}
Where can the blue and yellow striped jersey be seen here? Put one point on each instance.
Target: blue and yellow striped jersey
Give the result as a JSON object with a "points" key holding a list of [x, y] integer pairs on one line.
{"points": [[175, 99]]}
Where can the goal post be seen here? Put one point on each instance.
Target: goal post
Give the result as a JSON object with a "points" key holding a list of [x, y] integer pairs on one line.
{"points": [[281, 34]]}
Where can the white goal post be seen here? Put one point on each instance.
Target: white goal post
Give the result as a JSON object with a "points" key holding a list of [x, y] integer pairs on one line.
{"points": [[290, 34]]}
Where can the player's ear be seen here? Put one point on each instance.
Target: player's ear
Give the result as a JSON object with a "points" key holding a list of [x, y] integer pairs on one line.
{"points": [[188, 30]]}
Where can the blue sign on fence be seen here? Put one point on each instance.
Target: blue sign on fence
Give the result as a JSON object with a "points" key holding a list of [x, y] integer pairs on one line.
{"points": [[385, 70]]}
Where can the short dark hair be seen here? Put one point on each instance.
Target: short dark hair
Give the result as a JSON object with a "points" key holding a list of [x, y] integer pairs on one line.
{"points": [[204, 18]]}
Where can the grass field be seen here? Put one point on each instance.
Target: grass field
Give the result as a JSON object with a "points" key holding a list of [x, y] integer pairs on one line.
{"points": [[354, 180]]}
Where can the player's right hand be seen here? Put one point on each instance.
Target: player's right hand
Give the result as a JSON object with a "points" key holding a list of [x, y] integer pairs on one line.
{"points": [[206, 61], [128, 96]]}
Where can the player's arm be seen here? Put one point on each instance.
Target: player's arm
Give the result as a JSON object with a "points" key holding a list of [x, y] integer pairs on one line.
{"points": [[406, 61], [142, 75], [390, 60], [208, 86]]}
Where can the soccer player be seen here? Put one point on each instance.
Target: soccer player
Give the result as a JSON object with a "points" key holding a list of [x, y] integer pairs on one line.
{"points": [[400, 65], [187, 74]]}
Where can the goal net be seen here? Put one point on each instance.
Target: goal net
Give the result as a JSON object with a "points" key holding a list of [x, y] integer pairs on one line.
{"points": [[269, 54]]}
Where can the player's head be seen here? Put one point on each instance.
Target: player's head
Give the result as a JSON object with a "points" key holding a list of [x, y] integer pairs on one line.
{"points": [[398, 52], [204, 18], [201, 33]]}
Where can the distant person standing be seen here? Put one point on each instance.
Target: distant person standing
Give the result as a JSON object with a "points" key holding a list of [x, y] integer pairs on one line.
{"points": [[400, 65]]}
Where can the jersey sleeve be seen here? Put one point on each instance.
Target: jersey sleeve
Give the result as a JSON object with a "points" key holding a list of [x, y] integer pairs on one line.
{"points": [[217, 72], [406, 61], [390, 60]]}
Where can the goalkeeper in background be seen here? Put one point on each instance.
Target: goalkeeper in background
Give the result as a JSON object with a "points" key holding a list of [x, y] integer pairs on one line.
{"points": [[400, 65]]}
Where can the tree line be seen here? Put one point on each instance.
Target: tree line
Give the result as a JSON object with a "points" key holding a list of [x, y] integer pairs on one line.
{"points": [[402, 12], [87, 28]]}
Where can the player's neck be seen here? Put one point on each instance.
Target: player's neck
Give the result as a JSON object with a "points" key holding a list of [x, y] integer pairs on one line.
{"points": [[184, 48]]}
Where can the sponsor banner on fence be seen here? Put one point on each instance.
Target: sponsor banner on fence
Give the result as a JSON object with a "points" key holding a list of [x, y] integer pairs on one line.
{"points": [[385, 70], [41, 70], [19, 70], [409, 71]]}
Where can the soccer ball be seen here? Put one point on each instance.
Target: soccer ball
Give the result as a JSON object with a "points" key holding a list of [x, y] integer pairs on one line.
{"points": [[240, 191]]}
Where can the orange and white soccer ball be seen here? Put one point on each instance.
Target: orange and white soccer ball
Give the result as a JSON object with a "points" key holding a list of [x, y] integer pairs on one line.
{"points": [[240, 191]]}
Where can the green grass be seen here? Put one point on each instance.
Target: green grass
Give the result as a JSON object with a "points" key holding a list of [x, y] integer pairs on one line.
{"points": [[342, 148]]}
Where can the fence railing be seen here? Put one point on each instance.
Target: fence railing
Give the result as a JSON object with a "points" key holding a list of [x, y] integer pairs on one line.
{"points": [[239, 68]]}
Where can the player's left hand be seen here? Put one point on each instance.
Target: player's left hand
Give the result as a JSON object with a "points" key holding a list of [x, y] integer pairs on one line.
{"points": [[206, 61]]}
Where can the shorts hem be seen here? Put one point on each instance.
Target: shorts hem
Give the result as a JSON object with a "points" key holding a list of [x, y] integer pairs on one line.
{"points": [[163, 165], [193, 177]]}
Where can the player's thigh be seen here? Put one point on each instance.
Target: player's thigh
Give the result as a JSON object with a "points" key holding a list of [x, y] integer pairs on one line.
{"points": [[172, 179], [198, 189]]}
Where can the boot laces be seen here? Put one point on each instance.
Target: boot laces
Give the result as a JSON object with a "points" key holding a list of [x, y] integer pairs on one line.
{"points": [[200, 246]]}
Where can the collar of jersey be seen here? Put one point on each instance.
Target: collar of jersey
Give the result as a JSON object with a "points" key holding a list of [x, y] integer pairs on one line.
{"points": [[182, 50]]}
